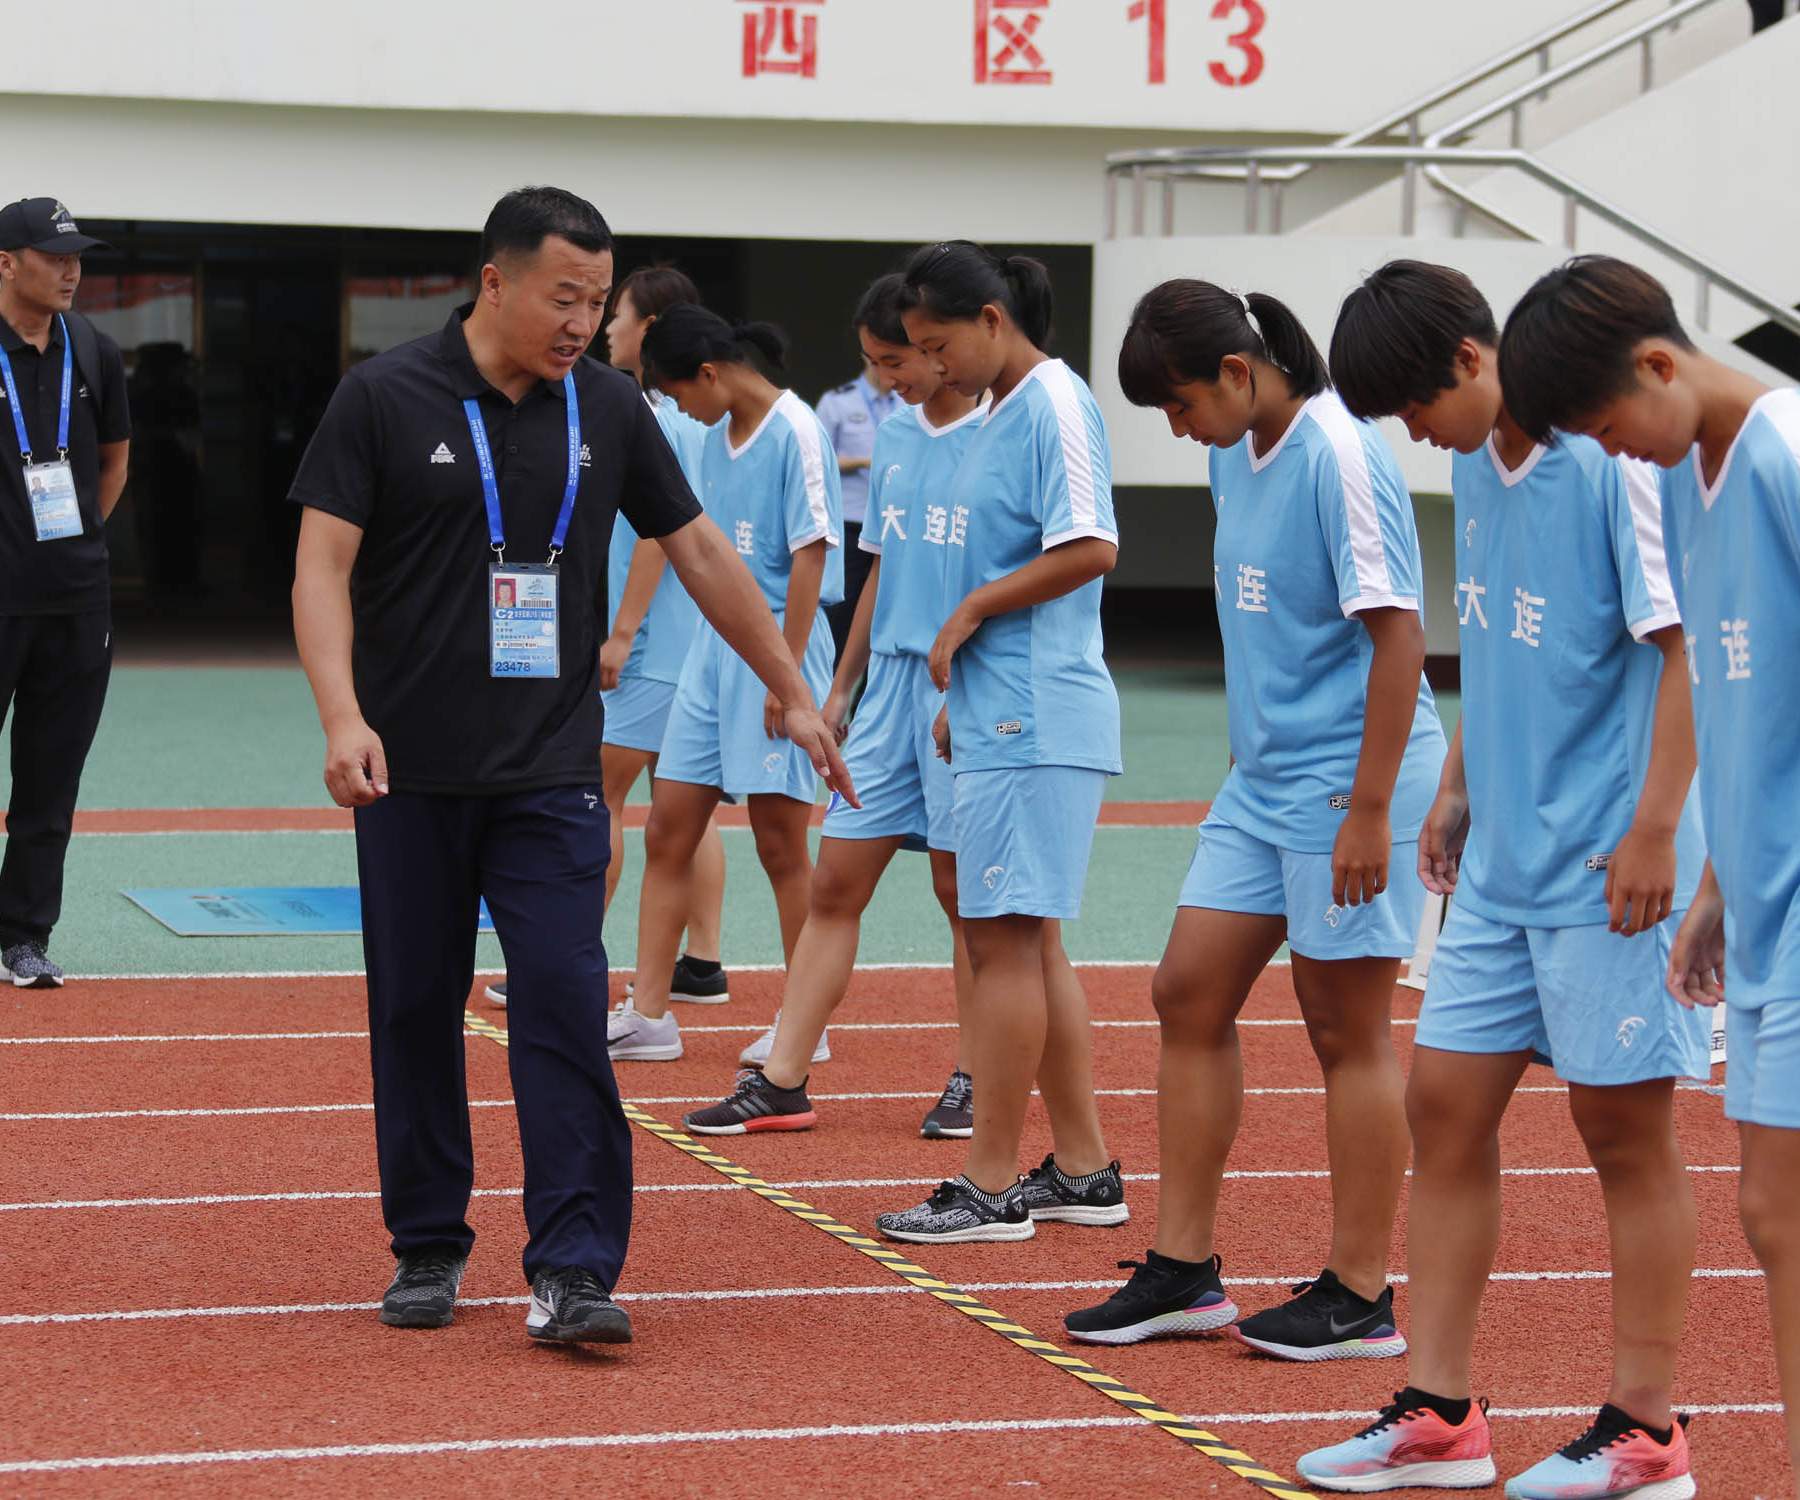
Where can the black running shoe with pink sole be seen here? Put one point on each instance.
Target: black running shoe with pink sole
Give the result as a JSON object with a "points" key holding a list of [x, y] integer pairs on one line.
{"points": [[1163, 1299], [755, 1105], [1325, 1320]]}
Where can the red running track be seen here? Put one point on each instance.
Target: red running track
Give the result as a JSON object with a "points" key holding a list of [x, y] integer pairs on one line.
{"points": [[236, 1339]]}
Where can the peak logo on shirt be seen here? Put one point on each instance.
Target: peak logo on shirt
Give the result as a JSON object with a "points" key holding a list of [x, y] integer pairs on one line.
{"points": [[1010, 726], [1598, 862], [1339, 803], [442, 454]]}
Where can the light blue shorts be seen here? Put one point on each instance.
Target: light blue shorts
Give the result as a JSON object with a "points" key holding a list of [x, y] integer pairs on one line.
{"points": [[1023, 837], [1589, 1001], [1762, 1063], [715, 735], [907, 791], [1236, 871], [637, 713]]}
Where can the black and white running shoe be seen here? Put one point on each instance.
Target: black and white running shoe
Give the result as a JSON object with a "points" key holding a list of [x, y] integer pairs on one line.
{"points": [[1325, 1320], [26, 966], [953, 1116], [1164, 1298], [757, 1104], [496, 991], [569, 1306], [1053, 1197], [959, 1211], [423, 1291]]}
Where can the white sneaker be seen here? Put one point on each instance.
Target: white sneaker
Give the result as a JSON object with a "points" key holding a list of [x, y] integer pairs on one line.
{"points": [[634, 1038], [757, 1053]]}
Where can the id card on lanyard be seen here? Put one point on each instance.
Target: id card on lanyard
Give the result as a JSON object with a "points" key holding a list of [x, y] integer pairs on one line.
{"points": [[524, 617], [55, 511]]}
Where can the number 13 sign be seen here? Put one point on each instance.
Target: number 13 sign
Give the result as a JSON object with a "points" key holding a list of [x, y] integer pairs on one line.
{"points": [[1156, 14]]}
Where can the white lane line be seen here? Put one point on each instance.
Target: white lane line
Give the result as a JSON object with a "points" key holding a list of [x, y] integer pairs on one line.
{"points": [[195, 1036], [760, 1434], [25, 1116], [757, 1294], [207, 1114], [747, 1029], [330, 1195], [876, 967]]}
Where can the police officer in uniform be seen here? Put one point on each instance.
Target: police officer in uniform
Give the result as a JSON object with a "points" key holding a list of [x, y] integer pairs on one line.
{"points": [[449, 595], [64, 442], [850, 414]]}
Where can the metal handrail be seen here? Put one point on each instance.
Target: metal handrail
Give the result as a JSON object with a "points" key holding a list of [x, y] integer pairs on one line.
{"points": [[1409, 115], [1513, 101], [1576, 199]]}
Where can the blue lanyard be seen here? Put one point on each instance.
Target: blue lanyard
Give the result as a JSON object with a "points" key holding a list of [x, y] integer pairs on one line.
{"points": [[490, 486], [18, 411]]}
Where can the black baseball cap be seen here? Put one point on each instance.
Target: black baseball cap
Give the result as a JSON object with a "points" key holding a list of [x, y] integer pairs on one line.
{"points": [[44, 224]]}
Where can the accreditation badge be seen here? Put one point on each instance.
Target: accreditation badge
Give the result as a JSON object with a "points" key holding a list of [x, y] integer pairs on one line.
{"points": [[54, 510], [523, 630]]}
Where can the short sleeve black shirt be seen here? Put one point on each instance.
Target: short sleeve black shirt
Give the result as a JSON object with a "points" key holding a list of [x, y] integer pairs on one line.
{"points": [[393, 456], [69, 575]]}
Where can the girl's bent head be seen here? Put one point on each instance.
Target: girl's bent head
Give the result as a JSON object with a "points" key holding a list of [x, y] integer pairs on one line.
{"points": [[967, 307], [1594, 346], [1418, 342], [698, 358], [881, 330], [1193, 348]]}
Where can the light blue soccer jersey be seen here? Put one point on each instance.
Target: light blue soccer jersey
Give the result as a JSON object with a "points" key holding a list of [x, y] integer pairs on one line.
{"points": [[1734, 553], [661, 644], [777, 494], [1310, 534], [1030, 688], [1560, 579], [908, 527]]}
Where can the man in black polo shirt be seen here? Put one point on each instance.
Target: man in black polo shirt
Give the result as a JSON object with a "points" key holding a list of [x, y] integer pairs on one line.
{"points": [[63, 448], [449, 605]]}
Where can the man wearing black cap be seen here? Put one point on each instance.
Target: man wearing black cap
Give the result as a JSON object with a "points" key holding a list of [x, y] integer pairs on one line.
{"points": [[63, 447], [449, 591]]}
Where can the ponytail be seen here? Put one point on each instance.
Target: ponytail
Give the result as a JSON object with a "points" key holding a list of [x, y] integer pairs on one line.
{"points": [[688, 336], [1182, 331], [958, 278], [1287, 345], [766, 343]]}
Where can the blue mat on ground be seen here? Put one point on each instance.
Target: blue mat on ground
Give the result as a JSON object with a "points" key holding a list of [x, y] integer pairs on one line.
{"points": [[261, 911]]}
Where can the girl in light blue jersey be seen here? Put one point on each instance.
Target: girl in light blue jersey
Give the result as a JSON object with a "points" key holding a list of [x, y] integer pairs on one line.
{"points": [[769, 481], [1595, 347], [1031, 732], [906, 789], [1564, 828], [651, 625], [1336, 749]]}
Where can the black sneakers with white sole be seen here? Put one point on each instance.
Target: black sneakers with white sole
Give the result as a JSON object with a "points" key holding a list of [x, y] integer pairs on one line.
{"points": [[569, 1306]]}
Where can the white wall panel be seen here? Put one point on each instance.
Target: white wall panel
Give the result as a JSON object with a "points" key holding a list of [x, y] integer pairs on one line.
{"points": [[897, 60]]}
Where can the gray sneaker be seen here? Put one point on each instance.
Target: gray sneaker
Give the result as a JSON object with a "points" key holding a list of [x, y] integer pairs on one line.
{"points": [[28, 969], [756, 1055], [631, 1037], [957, 1211]]}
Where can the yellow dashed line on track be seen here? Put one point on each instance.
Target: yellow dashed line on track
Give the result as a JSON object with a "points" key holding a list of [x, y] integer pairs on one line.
{"points": [[1209, 1444]]}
